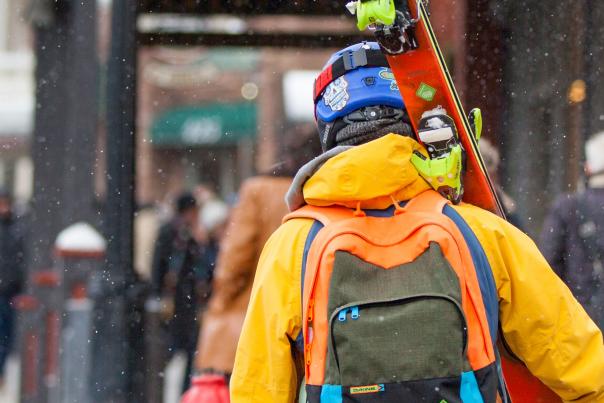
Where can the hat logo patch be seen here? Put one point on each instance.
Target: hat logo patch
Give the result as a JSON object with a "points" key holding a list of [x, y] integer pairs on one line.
{"points": [[336, 94], [388, 75]]}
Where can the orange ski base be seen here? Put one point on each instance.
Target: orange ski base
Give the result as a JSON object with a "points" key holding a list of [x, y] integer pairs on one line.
{"points": [[429, 87], [524, 387]]}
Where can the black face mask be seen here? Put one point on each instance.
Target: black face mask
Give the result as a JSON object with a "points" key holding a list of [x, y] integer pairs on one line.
{"points": [[363, 125]]}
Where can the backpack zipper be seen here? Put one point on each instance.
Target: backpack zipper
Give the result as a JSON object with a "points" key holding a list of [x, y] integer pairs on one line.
{"points": [[354, 313]]}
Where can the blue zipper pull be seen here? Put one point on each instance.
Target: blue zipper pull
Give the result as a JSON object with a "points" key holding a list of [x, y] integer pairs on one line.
{"points": [[355, 312], [342, 315]]}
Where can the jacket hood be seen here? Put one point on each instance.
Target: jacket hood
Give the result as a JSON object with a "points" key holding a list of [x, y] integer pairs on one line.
{"points": [[373, 174]]}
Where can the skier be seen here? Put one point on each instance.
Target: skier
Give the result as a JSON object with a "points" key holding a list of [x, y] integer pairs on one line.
{"points": [[426, 328], [177, 275], [572, 239]]}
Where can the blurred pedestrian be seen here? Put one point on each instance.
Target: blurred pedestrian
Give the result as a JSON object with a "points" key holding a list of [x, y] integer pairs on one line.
{"points": [[572, 239], [176, 272], [491, 157], [12, 271], [259, 212], [213, 220]]}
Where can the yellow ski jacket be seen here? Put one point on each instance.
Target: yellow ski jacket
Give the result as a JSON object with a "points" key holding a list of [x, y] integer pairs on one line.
{"points": [[541, 321]]}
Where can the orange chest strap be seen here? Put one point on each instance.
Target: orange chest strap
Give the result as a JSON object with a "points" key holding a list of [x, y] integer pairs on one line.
{"points": [[426, 202], [325, 215]]}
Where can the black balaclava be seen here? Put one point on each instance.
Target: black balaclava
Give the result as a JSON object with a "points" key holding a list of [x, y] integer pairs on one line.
{"points": [[363, 125]]}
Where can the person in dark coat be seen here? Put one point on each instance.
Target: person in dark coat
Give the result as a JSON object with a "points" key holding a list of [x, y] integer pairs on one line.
{"points": [[176, 272], [12, 270], [572, 239]]}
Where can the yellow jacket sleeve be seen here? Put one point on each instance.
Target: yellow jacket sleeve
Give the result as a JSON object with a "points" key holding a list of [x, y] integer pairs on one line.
{"points": [[541, 321], [265, 370]]}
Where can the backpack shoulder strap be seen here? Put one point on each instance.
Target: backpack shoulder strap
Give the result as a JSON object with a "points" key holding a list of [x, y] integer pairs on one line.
{"points": [[325, 215], [322, 216], [429, 201]]}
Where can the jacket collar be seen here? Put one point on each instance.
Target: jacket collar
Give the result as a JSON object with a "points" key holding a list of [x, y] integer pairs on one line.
{"points": [[372, 175]]}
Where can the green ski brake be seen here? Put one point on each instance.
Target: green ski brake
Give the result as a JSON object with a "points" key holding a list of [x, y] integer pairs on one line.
{"points": [[475, 120], [394, 29], [373, 12], [442, 174]]}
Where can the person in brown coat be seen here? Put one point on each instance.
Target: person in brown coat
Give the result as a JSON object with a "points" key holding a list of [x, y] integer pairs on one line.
{"points": [[259, 212]]}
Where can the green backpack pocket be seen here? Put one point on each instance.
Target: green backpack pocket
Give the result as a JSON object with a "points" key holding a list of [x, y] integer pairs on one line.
{"points": [[397, 334], [395, 340]]}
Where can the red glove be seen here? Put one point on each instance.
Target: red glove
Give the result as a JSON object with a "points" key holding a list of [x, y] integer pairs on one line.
{"points": [[207, 388]]}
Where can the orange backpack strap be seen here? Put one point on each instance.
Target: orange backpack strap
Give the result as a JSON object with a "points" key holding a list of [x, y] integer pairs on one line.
{"points": [[324, 215], [429, 201]]}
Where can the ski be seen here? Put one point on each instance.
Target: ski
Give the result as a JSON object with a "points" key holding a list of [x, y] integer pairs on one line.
{"points": [[403, 30], [409, 41]]}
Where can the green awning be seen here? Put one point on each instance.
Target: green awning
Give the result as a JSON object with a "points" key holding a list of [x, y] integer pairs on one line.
{"points": [[205, 125]]}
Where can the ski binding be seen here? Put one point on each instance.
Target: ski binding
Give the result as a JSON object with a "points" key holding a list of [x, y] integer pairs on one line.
{"points": [[443, 167], [394, 29]]}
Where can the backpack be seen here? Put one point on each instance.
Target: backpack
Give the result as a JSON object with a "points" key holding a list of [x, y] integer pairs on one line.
{"points": [[394, 308]]}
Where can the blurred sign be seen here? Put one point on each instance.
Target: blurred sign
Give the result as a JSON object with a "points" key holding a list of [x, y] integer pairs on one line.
{"points": [[178, 76], [170, 72], [205, 125], [244, 7], [190, 24]]}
